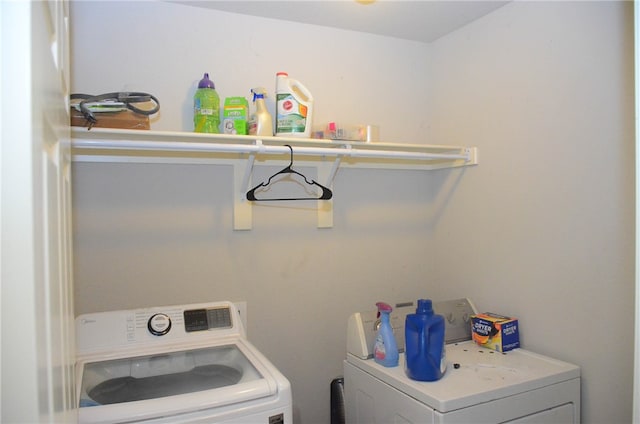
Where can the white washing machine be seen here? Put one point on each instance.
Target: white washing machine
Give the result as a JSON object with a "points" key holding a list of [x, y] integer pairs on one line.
{"points": [[176, 364], [479, 385]]}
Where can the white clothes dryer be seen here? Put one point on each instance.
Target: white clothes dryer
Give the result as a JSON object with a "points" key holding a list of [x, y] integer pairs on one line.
{"points": [[479, 386], [176, 364]]}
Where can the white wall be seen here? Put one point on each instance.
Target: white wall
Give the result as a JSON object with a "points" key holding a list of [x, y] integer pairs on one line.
{"points": [[150, 235], [351, 75], [542, 229]]}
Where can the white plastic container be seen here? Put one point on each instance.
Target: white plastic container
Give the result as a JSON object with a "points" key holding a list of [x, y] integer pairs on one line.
{"points": [[294, 107]]}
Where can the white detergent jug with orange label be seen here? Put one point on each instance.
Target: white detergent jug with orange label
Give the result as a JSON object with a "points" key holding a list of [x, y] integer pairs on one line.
{"points": [[294, 107]]}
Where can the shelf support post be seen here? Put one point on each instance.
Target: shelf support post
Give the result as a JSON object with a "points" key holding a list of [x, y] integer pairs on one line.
{"points": [[242, 208], [247, 173], [326, 172]]}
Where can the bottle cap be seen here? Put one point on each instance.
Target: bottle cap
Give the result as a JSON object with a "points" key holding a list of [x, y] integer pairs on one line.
{"points": [[284, 74], [424, 306], [258, 93], [205, 82], [384, 307]]}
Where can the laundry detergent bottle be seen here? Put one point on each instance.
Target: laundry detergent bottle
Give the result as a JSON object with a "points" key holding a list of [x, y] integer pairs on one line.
{"points": [[294, 107], [385, 350], [424, 343]]}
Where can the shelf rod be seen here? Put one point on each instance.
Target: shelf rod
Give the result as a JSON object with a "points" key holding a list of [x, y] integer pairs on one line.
{"points": [[261, 148]]}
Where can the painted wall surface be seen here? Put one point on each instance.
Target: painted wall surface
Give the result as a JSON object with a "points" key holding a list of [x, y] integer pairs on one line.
{"points": [[148, 235], [351, 75], [542, 229]]}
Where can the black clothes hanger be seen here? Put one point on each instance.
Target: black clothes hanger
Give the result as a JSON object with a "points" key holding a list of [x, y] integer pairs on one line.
{"points": [[326, 193]]}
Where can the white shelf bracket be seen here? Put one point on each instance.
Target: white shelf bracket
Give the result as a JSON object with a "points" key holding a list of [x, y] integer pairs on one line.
{"points": [[247, 173], [334, 168], [472, 155], [242, 209], [326, 172]]}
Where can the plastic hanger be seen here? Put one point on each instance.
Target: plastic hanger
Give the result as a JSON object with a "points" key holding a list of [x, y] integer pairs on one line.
{"points": [[326, 193]]}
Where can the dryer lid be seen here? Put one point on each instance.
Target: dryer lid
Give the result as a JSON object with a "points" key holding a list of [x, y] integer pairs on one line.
{"points": [[482, 375], [169, 383]]}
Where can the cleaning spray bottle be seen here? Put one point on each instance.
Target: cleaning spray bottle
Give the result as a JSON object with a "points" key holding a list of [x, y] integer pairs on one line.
{"points": [[260, 122], [385, 350], [424, 343]]}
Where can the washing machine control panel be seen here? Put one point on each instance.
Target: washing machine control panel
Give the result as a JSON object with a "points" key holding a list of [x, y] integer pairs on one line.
{"points": [[207, 319], [159, 324]]}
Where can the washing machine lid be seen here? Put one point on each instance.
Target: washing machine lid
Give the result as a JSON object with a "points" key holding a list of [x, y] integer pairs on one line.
{"points": [[482, 375], [166, 383]]}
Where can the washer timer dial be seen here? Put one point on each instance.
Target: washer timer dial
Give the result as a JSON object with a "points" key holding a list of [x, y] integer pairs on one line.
{"points": [[159, 324]]}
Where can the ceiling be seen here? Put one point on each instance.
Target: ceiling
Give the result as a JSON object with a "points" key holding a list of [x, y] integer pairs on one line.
{"points": [[418, 20]]}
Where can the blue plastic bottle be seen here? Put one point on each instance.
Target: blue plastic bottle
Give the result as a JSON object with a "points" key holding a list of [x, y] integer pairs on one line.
{"points": [[385, 350], [424, 344]]}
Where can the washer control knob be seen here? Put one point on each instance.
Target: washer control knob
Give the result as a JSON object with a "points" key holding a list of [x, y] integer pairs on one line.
{"points": [[159, 324]]}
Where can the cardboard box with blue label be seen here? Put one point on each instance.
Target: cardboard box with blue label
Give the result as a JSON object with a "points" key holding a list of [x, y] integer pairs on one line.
{"points": [[495, 332]]}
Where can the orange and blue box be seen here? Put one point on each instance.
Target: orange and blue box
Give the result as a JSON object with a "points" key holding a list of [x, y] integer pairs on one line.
{"points": [[495, 332]]}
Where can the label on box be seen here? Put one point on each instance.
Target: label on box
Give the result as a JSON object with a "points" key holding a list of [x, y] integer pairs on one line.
{"points": [[495, 332], [235, 116]]}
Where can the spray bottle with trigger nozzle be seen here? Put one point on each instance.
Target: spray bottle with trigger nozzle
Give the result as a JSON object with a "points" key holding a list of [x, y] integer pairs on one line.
{"points": [[385, 350], [260, 122]]}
